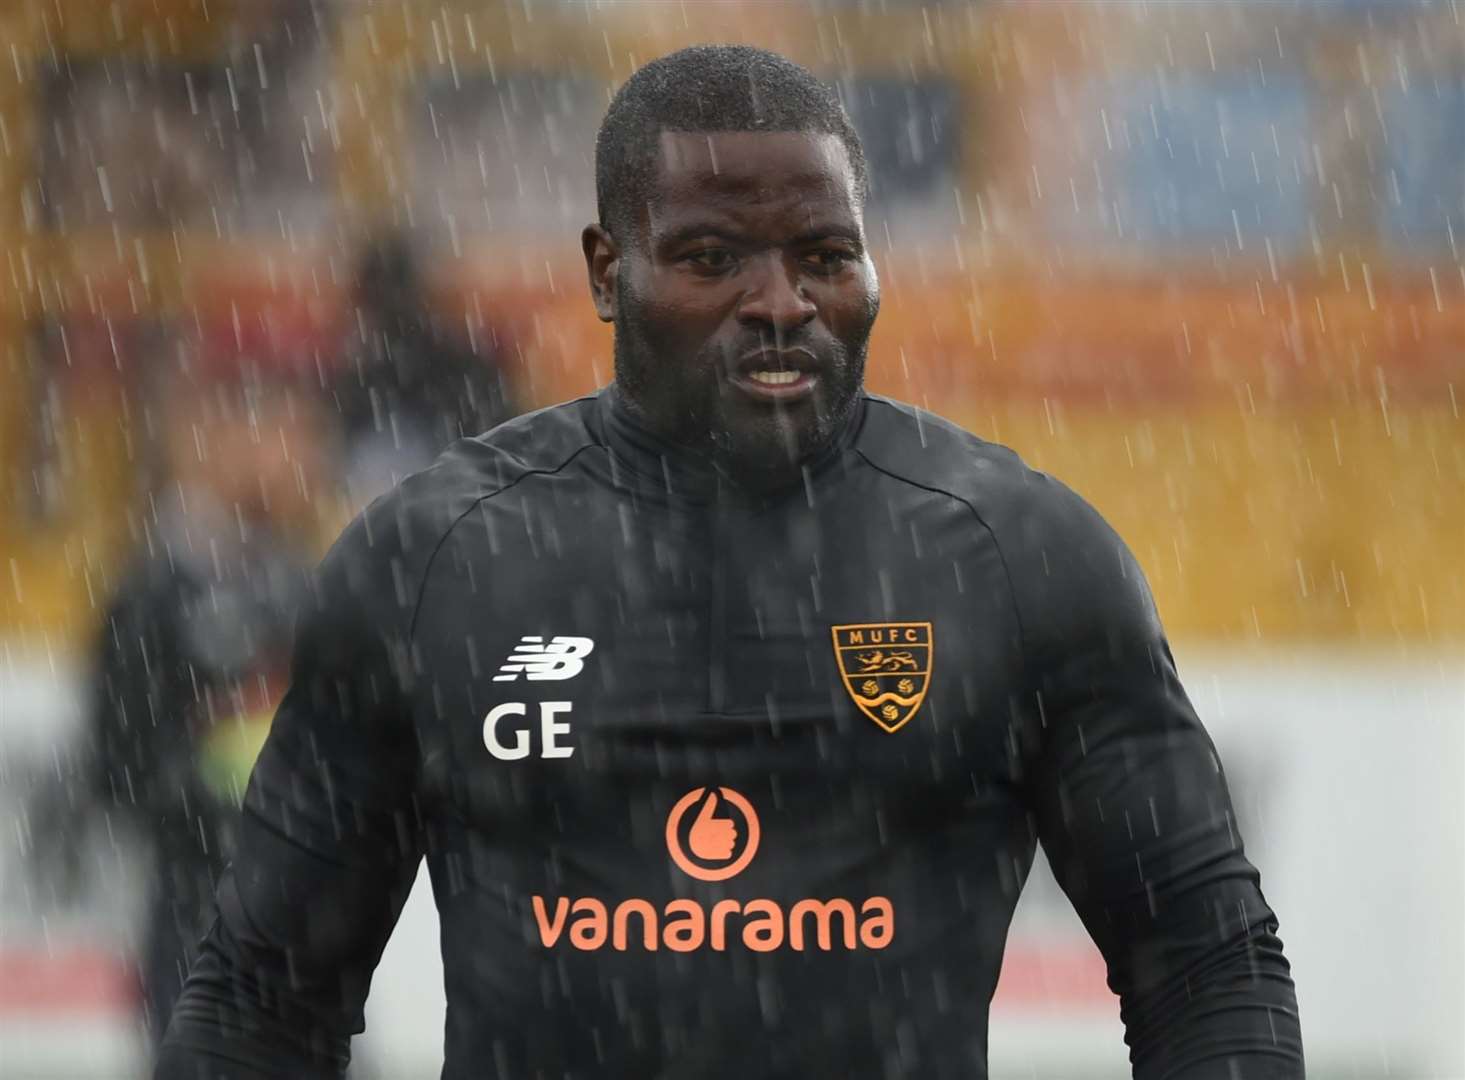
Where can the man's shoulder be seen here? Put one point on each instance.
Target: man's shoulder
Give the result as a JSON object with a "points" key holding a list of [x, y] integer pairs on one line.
{"points": [[535, 443], [398, 532], [923, 449], [1066, 563]]}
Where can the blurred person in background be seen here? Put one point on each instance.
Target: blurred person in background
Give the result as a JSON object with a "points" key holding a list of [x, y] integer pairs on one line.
{"points": [[410, 386], [191, 655]]}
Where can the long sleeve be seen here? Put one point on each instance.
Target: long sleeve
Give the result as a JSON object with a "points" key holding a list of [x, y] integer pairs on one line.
{"points": [[1133, 811], [327, 851]]}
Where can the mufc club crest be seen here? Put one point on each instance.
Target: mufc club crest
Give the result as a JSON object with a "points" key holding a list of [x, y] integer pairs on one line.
{"points": [[886, 668]]}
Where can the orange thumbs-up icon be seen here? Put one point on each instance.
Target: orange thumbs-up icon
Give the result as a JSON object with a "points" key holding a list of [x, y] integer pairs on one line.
{"points": [[712, 838]]}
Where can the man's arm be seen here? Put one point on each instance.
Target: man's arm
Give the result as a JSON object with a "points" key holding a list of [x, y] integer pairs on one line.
{"points": [[327, 851], [1132, 809]]}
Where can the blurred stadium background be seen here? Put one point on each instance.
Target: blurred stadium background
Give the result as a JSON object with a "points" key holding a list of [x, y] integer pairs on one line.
{"points": [[1203, 261]]}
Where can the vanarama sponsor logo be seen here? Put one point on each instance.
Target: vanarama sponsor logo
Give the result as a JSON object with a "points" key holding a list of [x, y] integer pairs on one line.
{"points": [[712, 834], [685, 925]]}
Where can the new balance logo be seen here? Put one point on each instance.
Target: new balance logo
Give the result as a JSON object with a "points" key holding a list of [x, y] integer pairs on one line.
{"points": [[562, 658]]}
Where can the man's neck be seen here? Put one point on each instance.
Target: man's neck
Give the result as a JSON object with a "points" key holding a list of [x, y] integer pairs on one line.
{"points": [[707, 464]]}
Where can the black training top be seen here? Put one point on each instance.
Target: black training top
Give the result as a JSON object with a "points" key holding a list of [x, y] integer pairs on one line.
{"points": [[720, 783]]}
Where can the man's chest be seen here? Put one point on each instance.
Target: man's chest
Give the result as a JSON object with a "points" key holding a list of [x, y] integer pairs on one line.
{"points": [[570, 649]]}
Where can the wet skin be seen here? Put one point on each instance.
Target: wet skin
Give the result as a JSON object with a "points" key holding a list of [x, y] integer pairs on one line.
{"points": [[748, 257]]}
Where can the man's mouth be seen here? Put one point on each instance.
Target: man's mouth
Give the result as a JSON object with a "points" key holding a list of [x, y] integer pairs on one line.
{"points": [[780, 377]]}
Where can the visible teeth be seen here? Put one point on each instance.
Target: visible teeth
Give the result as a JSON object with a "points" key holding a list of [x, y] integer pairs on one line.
{"points": [[775, 378]]}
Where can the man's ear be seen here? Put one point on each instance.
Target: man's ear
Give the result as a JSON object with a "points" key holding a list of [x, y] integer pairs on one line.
{"points": [[603, 264]]}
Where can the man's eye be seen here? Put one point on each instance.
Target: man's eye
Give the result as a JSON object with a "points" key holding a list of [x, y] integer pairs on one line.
{"points": [[711, 258], [829, 260]]}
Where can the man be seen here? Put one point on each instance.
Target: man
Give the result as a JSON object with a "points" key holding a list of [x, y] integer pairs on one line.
{"points": [[193, 650], [728, 704]]}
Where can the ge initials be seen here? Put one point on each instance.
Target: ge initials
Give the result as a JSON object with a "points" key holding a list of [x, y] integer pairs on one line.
{"points": [[549, 730]]}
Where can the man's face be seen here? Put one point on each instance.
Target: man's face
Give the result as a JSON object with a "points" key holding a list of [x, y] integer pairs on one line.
{"points": [[743, 307]]}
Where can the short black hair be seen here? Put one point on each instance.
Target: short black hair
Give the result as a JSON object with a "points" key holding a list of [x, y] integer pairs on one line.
{"points": [[707, 88]]}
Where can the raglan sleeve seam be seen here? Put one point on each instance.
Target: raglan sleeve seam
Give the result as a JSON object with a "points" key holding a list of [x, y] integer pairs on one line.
{"points": [[452, 525], [427, 566], [1024, 648], [1028, 680]]}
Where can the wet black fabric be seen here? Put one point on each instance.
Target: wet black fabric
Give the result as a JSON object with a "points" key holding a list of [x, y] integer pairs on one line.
{"points": [[1051, 711]]}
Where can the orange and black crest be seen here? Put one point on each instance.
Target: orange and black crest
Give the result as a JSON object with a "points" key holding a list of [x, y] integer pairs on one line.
{"points": [[886, 668]]}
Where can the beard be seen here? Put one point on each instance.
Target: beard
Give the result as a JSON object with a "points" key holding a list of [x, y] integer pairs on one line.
{"points": [[689, 401]]}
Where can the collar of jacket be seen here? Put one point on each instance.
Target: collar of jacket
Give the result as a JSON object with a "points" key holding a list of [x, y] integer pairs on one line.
{"points": [[685, 473]]}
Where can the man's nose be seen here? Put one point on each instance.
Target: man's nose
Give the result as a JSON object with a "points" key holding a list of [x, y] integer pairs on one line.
{"points": [[776, 297]]}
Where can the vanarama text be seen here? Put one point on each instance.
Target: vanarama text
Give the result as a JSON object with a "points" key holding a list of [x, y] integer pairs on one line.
{"points": [[685, 925]]}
